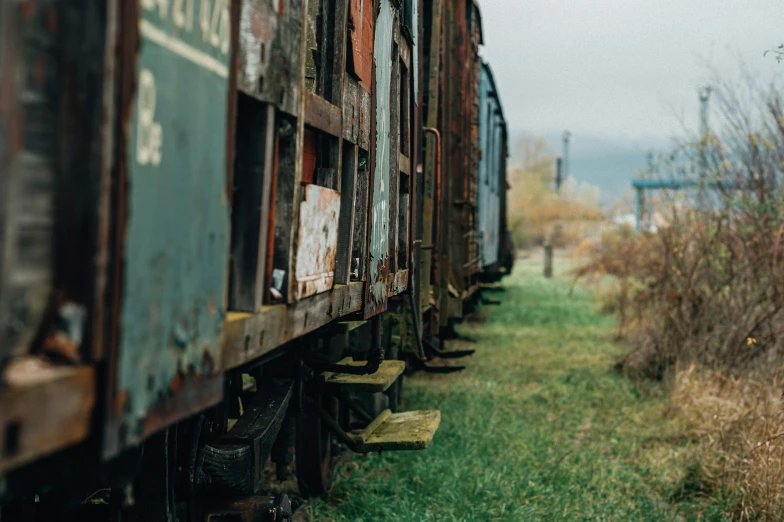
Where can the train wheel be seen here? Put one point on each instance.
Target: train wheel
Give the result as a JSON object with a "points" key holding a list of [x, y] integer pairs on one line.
{"points": [[314, 450]]}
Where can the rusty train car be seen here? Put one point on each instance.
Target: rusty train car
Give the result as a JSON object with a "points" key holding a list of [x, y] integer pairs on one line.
{"points": [[227, 229]]}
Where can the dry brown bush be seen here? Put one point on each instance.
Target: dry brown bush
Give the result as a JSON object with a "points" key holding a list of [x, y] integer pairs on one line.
{"points": [[536, 212], [706, 292], [739, 421]]}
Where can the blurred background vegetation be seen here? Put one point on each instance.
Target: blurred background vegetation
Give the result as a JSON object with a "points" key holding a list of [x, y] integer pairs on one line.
{"points": [[537, 212]]}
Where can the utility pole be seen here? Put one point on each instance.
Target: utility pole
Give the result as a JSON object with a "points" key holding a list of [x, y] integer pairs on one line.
{"points": [[561, 174], [704, 94]]}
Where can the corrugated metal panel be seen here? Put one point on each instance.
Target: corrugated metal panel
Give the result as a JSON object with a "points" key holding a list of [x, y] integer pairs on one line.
{"points": [[176, 237], [317, 240]]}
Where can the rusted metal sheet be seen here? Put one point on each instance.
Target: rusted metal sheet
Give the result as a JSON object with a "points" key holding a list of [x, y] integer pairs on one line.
{"points": [[249, 336], [317, 240], [361, 36], [460, 120], [321, 114], [398, 282], [428, 273], [176, 237], [44, 408], [379, 212], [269, 54]]}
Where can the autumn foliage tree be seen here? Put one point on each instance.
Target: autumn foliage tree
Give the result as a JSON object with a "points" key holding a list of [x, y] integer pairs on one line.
{"points": [[536, 210]]}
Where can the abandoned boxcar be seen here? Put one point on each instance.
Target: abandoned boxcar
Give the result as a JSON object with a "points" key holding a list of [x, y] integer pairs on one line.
{"points": [[227, 228]]}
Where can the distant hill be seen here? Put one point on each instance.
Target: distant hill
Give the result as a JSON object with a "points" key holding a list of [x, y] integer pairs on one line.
{"points": [[609, 165]]}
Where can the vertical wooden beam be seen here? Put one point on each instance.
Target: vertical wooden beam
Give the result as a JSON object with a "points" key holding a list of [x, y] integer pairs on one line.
{"points": [[296, 189], [394, 149], [347, 213], [251, 203], [429, 210]]}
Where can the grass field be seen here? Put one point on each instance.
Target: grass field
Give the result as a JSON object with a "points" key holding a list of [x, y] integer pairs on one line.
{"points": [[539, 427]]}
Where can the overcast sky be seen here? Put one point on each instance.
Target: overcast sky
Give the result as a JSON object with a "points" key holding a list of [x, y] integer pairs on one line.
{"points": [[620, 69]]}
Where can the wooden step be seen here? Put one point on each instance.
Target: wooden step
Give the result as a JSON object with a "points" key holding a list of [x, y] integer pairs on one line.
{"points": [[409, 430], [380, 381]]}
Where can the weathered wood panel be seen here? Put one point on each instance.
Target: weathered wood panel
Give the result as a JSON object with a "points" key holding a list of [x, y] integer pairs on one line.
{"points": [[348, 196], [28, 155], [250, 203], [322, 115], [45, 408], [250, 336], [356, 114], [269, 54], [394, 150]]}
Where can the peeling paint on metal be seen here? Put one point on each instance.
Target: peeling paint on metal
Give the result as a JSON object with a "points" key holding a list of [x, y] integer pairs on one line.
{"points": [[379, 247], [177, 236], [317, 240]]}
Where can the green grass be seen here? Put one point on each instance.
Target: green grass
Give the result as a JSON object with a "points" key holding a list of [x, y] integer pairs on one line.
{"points": [[539, 427]]}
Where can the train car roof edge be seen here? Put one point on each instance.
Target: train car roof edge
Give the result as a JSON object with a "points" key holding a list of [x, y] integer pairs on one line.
{"points": [[481, 28], [489, 72]]}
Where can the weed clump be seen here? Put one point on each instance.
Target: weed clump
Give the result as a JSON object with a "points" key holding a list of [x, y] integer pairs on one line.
{"points": [[705, 292]]}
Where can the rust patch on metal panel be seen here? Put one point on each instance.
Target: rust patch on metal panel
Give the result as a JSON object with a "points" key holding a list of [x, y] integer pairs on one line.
{"points": [[398, 283], [360, 27], [321, 114], [317, 240], [188, 395]]}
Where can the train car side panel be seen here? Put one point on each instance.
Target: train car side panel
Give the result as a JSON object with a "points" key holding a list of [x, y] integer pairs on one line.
{"points": [[174, 277]]}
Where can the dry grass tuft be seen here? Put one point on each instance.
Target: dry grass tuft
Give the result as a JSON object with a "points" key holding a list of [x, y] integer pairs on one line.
{"points": [[702, 299], [739, 423]]}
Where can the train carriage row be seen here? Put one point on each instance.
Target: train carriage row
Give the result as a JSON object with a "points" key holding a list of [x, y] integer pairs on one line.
{"points": [[227, 228]]}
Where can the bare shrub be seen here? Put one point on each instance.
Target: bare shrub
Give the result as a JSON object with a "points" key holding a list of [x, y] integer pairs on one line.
{"points": [[709, 285], [706, 292]]}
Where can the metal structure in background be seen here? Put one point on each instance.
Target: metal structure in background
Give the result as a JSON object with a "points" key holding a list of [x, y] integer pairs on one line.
{"points": [[567, 135], [642, 185], [703, 185], [704, 96]]}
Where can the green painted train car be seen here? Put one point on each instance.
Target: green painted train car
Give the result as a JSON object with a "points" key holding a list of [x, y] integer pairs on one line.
{"points": [[227, 228]]}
